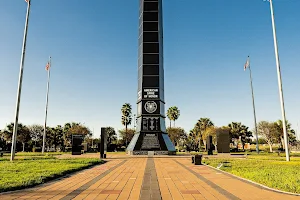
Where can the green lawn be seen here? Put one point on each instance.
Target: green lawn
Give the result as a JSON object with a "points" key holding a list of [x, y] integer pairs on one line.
{"points": [[31, 171], [270, 170], [34, 154], [116, 153]]}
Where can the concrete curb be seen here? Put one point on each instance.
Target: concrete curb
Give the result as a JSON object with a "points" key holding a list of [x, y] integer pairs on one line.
{"points": [[252, 182]]}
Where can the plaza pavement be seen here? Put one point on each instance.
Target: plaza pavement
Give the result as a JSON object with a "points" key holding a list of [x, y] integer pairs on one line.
{"points": [[124, 177]]}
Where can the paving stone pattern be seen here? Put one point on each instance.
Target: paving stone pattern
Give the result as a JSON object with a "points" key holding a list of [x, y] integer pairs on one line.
{"points": [[149, 178]]}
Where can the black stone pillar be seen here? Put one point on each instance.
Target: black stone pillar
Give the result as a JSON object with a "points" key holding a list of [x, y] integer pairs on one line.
{"points": [[223, 142], [103, 143], [77, 144], [151, 129]]}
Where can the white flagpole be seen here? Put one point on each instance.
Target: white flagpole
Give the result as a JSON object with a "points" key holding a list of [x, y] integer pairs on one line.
{"points": [[15, 131], [254, 113], [280, 85], [46, 109]]}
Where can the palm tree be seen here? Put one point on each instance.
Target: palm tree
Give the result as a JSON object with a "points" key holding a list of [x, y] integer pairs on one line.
{"points": [[126, 116], [203, 124], [170, 115], [111, 135], [194, 138], [197, 133], [173, 114], [235, 128]]}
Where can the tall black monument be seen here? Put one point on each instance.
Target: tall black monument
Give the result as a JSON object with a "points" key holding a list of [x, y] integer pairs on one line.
{"points": [[151, 133]]}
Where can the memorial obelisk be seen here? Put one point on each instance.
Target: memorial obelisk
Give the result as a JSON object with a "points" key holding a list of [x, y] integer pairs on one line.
{"points": [[151, 136]]}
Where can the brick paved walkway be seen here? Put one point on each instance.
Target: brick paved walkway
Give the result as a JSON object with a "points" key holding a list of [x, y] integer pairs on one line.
{"points": [[148, 178]]}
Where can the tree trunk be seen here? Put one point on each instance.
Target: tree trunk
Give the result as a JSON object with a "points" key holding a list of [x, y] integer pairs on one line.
{"points": [[174, 123], [170, 123], [23, 146], [126, 133], [204, 142], [271, 149], [282, 143]]}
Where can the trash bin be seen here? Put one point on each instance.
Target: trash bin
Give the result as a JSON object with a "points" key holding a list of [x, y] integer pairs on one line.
{"points": [[198, 159]]}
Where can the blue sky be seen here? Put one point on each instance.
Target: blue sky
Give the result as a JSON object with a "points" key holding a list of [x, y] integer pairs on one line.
{"points": [[93, 46]]}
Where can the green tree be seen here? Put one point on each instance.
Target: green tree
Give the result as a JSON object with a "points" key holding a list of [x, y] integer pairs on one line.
{"points": [[173, 114], [209, 131], [169, 115], [176, 134], [8, 132], [245, 135], [292, 137], [67, 135], [202, 125], [196, 132], [23, 134], [74, 128], [57, 134], [235, 128], [238, 131], [192, 140], [126, 115], [269, 132], [126, 135], [36, 133], [111, 135], [279, 128], [2, 142]]}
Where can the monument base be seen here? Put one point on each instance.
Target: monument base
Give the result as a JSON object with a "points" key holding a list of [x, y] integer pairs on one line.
{"points": [[151, 144], [146, 153]]}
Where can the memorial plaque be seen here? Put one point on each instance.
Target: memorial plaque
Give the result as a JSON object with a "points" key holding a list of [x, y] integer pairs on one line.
{"points": [[150, 142], [223, 142], [150, 93], [150, 123], [151, 135], [77, 144]]}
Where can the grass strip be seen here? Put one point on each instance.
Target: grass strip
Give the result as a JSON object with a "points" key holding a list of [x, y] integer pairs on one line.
{"points": [[273, 172], [31, 171]]}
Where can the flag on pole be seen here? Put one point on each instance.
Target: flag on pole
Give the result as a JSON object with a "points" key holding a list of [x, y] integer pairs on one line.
{"points": [[247, 64], [47, 66]]}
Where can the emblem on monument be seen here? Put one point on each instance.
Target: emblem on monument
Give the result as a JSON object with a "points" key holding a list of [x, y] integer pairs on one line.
{"points": [[150, 106]]}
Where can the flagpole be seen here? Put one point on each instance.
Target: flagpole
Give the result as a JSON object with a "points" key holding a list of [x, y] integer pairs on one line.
{"points": [[254, 113], [15, 131], [285, 136], [46, 109]]}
